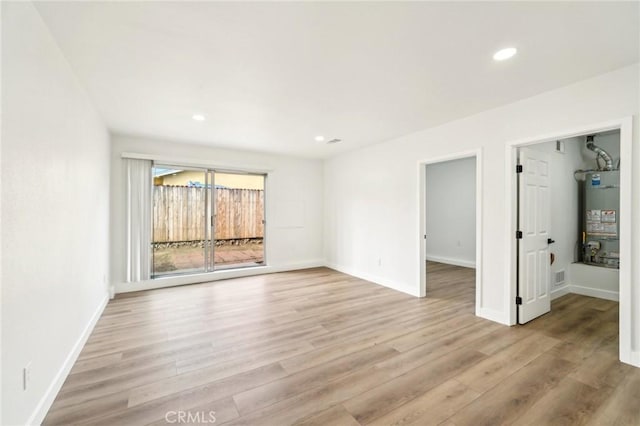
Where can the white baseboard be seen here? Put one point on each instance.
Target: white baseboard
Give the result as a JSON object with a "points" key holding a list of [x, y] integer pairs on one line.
{"points": [[214, 276], [560, 291], [451, 261], [594, 292], [39, 413], [374, 279], [491, 315]]}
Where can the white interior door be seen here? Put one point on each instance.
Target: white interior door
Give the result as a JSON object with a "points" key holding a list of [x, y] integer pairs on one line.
{"points": [[533, 247]]}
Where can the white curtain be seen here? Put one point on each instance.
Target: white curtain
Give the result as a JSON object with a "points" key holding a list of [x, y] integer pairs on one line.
{"points": [[138, 219]]}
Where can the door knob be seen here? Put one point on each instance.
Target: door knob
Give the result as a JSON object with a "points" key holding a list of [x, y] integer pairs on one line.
{"points": [[550, 241]]}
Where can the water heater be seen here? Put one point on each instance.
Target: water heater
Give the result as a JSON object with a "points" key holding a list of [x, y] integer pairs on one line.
{"points": [[601, 233]]}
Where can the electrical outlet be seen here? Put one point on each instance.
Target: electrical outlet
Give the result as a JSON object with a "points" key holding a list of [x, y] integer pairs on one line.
{"points": [[26, 377]]}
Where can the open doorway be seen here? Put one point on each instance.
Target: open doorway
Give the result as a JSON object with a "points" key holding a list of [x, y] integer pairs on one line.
{"points": [[450, 208], [569, 211], [571, 236]]}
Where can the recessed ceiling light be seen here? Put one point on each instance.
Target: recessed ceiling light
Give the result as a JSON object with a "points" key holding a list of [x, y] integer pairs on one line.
{"points": [[319, 138], [503, 54], [198, 117]]}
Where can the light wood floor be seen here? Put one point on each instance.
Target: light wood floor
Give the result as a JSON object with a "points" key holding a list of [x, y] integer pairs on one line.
{"points": [[318, 347]]}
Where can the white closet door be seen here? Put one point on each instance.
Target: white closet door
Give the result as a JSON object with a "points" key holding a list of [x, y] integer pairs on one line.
{"points": [[535, 215]]}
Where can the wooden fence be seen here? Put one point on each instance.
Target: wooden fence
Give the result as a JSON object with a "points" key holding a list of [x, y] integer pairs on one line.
{"points": [[179, 213]]}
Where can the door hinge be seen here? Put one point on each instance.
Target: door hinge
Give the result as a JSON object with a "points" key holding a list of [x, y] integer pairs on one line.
{"points": [[519, 235], [518, 300], [519, 168]]}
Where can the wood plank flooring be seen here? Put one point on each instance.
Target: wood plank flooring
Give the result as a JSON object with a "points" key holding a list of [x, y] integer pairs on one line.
{"points": [[317, 347]]}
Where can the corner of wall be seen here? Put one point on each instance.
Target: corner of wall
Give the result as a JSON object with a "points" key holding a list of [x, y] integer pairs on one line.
{"points": [[495, 316], [374, 279], [560, 291]]}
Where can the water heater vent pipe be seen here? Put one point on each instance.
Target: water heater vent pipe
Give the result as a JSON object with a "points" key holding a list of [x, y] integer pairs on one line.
{"points": [[600, 152]]}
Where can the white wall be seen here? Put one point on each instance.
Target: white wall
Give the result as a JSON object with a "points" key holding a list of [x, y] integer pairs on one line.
{"points": [[372, 197], [293, 203], [55, 192], [594, 281], [451, 212]]}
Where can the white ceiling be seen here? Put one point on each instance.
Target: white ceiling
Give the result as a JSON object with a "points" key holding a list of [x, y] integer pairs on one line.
{"points": [[271, 76]]}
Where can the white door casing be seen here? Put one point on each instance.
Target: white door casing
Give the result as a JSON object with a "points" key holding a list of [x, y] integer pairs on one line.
{"points": [[534, 220]]}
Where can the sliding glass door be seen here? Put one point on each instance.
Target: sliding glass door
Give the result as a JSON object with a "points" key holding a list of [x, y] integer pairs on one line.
{"points": [[204, 220], [239, 220]]}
